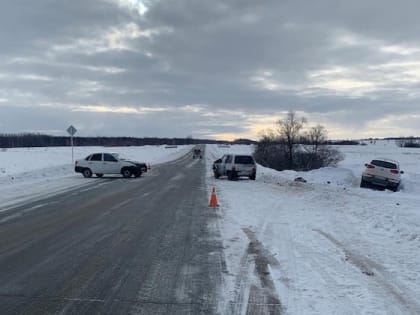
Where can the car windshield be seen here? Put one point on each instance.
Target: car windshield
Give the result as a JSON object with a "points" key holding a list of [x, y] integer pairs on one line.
{"points": [[384, 164]]}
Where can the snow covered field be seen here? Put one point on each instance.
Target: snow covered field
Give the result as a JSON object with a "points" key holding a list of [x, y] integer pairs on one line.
{"points": [[321, 247], [30, 172], [325, 246]]}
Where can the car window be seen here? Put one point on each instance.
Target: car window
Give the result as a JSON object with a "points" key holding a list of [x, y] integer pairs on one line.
{"points": [[96, 157], [228, 159], [244, 159], [88, 157], [384, 164], [109, 158]]}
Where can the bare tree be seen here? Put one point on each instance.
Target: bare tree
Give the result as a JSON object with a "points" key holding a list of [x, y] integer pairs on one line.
{"points": [[314, 141], [317, 136], [270, 151], [289, 129], [287, 148]]}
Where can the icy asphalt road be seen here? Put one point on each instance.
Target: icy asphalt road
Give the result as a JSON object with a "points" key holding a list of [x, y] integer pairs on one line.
{"points": [[118, 246]]}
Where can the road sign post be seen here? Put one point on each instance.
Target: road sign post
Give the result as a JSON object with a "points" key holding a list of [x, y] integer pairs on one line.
{"points": [[71, 130]]}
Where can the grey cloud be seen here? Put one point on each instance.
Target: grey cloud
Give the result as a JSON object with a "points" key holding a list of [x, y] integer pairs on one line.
{"points": [[237, 56], [27, 24]]}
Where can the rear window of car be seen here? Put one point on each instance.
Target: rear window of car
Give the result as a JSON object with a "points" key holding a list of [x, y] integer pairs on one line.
{"points": [[244, 159], [384, 164]]}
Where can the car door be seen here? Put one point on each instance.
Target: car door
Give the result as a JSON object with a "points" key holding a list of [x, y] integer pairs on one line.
{"points": [[227, 163], [95, 163], [110, 164]]}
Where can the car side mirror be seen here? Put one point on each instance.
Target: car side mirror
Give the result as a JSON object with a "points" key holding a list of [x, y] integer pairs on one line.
{"points": [[401, 172], [366, 164]]}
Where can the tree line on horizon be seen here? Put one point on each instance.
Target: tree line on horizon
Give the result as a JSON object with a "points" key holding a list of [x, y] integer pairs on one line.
{"points": [[16, 140], [409, 142], [42, 140]]}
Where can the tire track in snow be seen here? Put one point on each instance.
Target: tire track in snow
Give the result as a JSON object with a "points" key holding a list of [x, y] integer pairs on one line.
{"points": [[256, 292], [378, 275], [319, 265], [285, 270]]}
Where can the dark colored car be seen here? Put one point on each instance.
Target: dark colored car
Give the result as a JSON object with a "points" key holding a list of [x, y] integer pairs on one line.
{"points": [[197, 154]]}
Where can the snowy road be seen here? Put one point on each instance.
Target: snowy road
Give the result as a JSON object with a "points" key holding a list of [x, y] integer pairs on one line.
{"points": [[118, 246]]}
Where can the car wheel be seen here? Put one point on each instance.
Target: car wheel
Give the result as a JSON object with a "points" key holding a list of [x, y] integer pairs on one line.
{"points": [[230, 175], [138, 174], [126, 173], [252, 177], [99, 175], [395, 188], [216, 175], [87, 173], [363, 184]]}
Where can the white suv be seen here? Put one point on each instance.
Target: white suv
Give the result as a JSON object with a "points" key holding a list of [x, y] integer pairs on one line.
{"points": [[107, 163], [234, 166], [382, 172]]}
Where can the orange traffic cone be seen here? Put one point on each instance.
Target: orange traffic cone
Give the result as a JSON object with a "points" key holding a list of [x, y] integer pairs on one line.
{"points": [[213, 199]]}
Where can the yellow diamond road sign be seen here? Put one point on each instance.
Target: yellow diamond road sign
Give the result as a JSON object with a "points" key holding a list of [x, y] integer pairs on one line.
{"points": [[71, 130]]}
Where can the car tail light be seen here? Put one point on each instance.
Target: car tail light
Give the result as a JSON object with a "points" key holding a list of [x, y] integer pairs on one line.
{"points": [[395, 171], [370, 166]]}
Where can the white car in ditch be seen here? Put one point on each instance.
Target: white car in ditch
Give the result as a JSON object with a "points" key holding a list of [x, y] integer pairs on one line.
{"points": [[382, 172]]}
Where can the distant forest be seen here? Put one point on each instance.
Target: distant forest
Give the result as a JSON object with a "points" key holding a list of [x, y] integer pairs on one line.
{"points": [[41, 140]]}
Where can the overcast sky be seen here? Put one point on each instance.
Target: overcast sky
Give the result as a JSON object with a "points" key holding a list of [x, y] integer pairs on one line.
{"points": [[209, 69]]}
